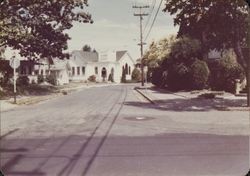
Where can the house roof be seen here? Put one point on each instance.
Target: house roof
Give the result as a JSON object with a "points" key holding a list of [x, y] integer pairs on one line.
{"points": [[58, 64], [79, 57], [120, 54], [82, 57]]}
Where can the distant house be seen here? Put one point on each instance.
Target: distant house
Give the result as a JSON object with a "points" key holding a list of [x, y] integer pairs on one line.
{"points": [[28, 68], [60, 69], [80, 63], [107, 64]]}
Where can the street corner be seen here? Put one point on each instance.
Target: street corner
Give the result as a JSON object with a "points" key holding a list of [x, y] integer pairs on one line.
{"points": [[231, 108], [6, 105], [146, 95]]}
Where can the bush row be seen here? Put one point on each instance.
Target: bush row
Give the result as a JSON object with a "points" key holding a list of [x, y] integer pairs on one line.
{"points": [[218, 75]]}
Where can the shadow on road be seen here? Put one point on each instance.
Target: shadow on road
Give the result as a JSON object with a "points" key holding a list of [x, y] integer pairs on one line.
{"points": [[194, 154]]}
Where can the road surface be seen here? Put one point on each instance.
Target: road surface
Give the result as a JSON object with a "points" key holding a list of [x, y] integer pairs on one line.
{"points": [[113, 131]]}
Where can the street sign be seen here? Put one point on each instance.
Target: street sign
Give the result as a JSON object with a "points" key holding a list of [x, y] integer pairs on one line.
{"points": [[14, 62]]}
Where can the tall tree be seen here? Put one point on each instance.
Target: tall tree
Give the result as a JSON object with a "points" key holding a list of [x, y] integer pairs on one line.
{"points": [[158, 51], [86, 48], [2, 50], [217, 24], [37, 27]]}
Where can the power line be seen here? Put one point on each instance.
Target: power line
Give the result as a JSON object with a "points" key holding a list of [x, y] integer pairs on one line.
{"points": [[153, 21], [150, 15]]}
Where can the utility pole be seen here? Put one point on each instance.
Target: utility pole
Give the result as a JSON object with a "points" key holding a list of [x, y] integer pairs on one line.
{"points": [[141, 15]]}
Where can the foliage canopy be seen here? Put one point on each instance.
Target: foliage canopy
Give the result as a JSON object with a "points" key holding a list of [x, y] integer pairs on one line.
{"points": [[217, 24], [37, 27]]}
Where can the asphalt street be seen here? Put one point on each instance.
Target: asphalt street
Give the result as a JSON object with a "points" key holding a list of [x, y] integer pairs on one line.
{"points": [[114, 131]]}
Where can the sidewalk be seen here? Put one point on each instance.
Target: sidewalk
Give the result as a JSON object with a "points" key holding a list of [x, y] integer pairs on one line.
{"points": [[191, 101], [6, 105]]}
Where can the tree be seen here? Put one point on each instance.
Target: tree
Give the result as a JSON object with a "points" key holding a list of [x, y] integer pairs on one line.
{"points": [[183, 63], [183, 50], [224, 73], [217, 24], [199, 74], [2, 50], [86, 48], [136, 75], [37, 27], [123, 78], [157, 52], [158, 77], [178, 77]]}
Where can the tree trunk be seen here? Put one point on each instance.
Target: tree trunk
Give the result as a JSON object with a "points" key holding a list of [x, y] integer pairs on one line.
{"points": [[247, 59], [244, 61], [248, 84], [243, 54]]}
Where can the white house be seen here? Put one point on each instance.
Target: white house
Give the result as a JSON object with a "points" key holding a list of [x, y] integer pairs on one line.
{"points": [[60, 68], [107, 64]]}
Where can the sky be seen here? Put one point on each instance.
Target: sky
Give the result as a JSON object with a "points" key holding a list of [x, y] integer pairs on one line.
{"points": [[116, 28]]}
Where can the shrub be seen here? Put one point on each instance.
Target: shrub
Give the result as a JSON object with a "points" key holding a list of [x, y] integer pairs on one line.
{"points": [[40, 79], [92, 78], [33, 81], [157, 77], [23, 81], [123, 78], [2, 94], [51, 79], [178, 77], [199, 74], [207, 96], [111, 78], [224, 75], [136, 75]]}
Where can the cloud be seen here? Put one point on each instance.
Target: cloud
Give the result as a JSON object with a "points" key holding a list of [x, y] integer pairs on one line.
{"points": [[111, 24]]}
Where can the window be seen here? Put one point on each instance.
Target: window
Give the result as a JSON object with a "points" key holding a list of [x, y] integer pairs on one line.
{"points": [[41, 72], [96, 70], [129, 70], [78, 70], [83, 70], [73, 71]]}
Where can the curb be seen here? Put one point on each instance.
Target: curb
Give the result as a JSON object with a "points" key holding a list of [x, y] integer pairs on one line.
{"points": [[59, 93], [218, 108], [35, 100], [145, 96], [232, 108]]}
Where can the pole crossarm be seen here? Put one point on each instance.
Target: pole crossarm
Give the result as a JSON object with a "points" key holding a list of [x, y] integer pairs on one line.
{"points": [[140, 14], [140, 7]]}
